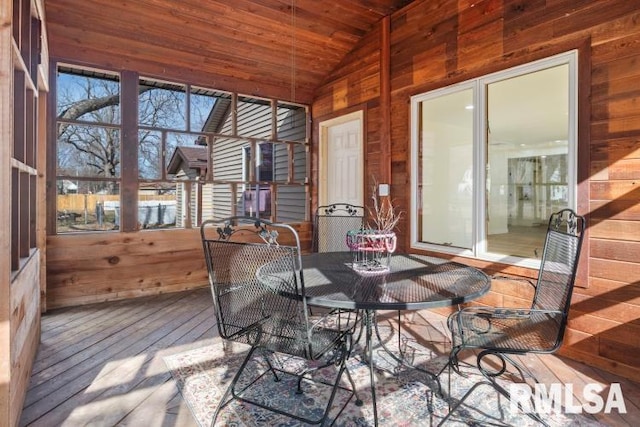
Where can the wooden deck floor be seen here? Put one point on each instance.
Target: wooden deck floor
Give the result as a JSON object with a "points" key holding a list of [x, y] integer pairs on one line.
{"points": [[102, 365]]}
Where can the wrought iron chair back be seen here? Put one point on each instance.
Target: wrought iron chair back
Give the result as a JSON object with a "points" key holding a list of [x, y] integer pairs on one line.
{"points": [[559, 262], [331, 224], [498, 332], [259, 299]]}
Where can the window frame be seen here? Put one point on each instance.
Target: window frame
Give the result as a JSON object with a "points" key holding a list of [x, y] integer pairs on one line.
{"points": [[129, 180], [480, 153]]}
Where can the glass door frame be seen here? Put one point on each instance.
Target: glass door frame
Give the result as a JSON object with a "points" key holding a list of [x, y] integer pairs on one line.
{"points": [[480, 153]]}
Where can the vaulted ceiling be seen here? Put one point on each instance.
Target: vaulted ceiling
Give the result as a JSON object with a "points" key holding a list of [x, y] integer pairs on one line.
{"points": [[275, 48]]}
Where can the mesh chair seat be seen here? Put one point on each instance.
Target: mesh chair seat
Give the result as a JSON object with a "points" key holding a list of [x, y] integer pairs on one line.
{"points": [[290, 336], [248, 321], [334, 319], [510, 330]]}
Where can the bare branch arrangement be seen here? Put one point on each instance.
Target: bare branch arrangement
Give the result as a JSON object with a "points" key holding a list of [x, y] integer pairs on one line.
{"points": [[383, 214]]}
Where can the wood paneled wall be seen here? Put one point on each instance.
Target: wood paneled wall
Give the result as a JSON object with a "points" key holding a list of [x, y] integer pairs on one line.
{"points": [[435, 43], [245, 46], [355, 85], [25, 333], [95, 267]]}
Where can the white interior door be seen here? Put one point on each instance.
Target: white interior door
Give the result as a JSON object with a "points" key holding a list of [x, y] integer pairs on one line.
{"points": [[341, 160]]}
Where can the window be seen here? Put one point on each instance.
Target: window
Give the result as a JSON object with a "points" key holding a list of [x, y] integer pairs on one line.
{"points": [[263, 168], [493, 158], [88, 132], [191, 152], [172, 152], [257, 197]]}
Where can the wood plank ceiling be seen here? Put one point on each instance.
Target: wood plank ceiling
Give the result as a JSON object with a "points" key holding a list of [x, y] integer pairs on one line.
{"points": [[243, 45]]}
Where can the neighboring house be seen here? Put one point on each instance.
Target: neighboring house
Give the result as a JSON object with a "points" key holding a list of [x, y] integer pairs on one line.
{"points": [[67, 187], [189, 165], [231, 169]]}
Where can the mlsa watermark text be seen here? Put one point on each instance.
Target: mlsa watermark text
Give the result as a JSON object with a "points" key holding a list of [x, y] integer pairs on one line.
{"points": [[559, 398]]}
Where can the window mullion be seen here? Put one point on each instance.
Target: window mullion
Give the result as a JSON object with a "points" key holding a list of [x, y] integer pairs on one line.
{"points": [[481, 130], [129, 138]]}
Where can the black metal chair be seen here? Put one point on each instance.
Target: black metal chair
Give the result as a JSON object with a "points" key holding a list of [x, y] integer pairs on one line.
{"points": [[259, 298], [500, 333], [331, 224]]}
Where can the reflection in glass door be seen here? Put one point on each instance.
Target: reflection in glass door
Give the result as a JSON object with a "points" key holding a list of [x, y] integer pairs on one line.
{"points": [[445, 170], [527, 154]]}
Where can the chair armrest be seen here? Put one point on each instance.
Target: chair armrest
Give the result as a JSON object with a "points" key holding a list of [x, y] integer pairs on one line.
{"points": [[504, 312]]}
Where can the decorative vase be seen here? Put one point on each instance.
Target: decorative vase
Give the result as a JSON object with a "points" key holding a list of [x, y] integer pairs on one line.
{"points": [[371, 249]]}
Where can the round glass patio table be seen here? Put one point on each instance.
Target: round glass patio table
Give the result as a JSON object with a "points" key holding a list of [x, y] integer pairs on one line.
{"points": [[412, 282]]}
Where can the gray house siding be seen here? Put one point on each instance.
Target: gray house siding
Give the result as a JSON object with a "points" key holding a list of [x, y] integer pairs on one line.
{"points": [[254, 120]]}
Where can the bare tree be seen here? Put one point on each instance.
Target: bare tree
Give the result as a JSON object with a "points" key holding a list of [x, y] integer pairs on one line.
{"points": [[90, 146]]}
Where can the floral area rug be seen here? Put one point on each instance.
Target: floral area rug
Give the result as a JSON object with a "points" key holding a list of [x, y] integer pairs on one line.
{"points": [[405, 396]]}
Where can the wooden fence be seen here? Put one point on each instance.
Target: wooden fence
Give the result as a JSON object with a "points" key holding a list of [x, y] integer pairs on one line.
{"points": [[80, 202]]}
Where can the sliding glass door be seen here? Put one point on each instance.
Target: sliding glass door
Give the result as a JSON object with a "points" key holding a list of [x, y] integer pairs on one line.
{"points": [[493, 158], [527, 158]]}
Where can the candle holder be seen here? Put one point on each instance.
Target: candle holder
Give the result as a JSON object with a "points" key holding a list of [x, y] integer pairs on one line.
{"points": [[371, 249]]}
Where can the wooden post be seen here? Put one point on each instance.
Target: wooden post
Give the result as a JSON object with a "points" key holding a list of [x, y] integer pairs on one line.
{"points": [[6, 138], [385, 101]]}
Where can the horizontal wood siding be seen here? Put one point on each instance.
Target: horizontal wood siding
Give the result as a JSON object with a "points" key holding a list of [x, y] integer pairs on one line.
{"points": [[98, 267], [437, 43], [292, 203], [253, 120], [25, 331], [227, 166]]}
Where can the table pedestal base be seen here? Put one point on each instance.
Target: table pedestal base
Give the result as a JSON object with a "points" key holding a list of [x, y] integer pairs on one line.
{"points": [[370, 325]]}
